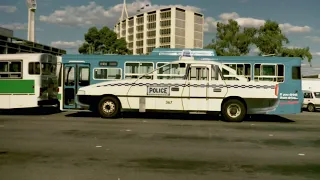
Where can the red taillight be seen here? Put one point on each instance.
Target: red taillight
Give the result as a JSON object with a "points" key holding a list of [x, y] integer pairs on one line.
{"points": [[58, 89], [41, 91], [276, 90]]}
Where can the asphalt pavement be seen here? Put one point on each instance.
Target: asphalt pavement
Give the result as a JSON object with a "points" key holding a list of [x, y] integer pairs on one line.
{"points": [[39, 145]]}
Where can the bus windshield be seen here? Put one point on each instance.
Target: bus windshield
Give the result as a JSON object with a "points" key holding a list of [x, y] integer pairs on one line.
{"points": [[48, 68], [317, 94]]}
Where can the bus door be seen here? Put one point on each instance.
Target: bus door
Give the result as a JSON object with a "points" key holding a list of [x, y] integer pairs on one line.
{"points": [[195, 92], [75, 77]]}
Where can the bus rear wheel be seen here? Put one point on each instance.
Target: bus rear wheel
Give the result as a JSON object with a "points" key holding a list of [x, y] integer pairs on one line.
{"points": [[233, 110], [109, 107]]}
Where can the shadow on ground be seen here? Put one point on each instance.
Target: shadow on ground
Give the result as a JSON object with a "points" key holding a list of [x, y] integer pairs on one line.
{"points": [[184, 116], [29, 111]]}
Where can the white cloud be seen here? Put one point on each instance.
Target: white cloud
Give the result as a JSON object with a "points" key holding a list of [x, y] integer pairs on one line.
{"points": [[18, 26], [94, 14], [316, 53], [211, 23], [314, 38], [67, 44], [8, 9], [15, 26]]}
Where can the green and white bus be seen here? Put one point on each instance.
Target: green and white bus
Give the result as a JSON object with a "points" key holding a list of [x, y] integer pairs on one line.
{"points": [[28, 80]]}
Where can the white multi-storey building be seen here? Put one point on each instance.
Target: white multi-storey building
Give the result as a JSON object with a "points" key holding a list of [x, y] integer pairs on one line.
{"points": [[170, 27]]}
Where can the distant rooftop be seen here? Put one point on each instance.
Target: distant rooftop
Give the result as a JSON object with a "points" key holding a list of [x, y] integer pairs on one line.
{"points": [[12, 45]]}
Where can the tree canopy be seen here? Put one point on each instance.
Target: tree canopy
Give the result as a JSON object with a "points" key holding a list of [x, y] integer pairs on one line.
{"points": [[103, 41], [231, 40]]}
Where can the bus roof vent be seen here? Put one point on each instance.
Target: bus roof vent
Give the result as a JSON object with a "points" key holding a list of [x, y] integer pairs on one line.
{"points": [[185, 58]]}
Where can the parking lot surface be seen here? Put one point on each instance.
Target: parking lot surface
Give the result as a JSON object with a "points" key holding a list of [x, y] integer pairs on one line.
{"points": [[40, 145]]}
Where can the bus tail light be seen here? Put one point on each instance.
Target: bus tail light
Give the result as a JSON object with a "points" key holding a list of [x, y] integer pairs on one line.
{"points": [[276, 90], [41, 91]]}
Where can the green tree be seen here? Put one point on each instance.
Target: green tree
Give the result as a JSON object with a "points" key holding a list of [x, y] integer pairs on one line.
{"points": [[103, 41], [271, 40], [231, 41]]}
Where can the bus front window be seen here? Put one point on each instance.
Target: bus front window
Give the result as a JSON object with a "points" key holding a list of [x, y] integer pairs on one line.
{"points": [[317, 94], [48, 68]]}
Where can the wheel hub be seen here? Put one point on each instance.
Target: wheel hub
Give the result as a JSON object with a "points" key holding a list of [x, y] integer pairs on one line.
{"points": [[108, 107], [234, 110]]}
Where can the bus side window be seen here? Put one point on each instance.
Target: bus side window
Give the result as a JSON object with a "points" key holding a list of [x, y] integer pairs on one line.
{"points": [[84, 76], [214, 73], [34, 68], [11, 69], [198, 73]]}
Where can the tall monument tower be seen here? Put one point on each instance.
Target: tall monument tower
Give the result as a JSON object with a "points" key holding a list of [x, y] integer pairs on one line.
{"points": [[124, 10], [32, 6]]}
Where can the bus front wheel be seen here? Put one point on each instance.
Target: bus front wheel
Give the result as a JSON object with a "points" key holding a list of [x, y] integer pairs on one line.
{"points": [[233, 110], [109, 107]]}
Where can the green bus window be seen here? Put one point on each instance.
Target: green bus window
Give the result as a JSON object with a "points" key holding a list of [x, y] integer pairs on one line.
{"points": [[34, 68]]}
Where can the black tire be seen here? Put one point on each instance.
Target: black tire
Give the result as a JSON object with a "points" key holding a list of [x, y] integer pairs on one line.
{"points": [[240, 108], [311, 108], [110, 104]]}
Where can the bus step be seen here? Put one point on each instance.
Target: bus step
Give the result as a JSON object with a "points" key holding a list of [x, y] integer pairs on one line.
{"points": [[197, 112]]}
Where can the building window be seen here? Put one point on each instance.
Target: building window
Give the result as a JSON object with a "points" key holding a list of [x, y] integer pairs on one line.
{"points": [[165, 23], [151, 41], [164, 32], [165, 46], [107, 73], [139, 43], [151, 17], [151, 34], [149, 49], [164, 40], [130, 23], [140, 20], [165, 15], [130, 38], [130, 45], [139, 51], [140, 28], [139, 35], [130, 30], [151, 26]]}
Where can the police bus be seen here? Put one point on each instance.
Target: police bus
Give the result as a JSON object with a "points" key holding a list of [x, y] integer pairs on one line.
{"points": [[190, 85], [28, 80], [83, 70]]}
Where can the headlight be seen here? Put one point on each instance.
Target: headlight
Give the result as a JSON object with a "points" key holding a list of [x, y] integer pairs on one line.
{"points": [[81, 92]]}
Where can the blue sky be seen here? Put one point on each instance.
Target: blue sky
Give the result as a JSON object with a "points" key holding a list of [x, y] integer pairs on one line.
{"points": [[62, 23]]}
